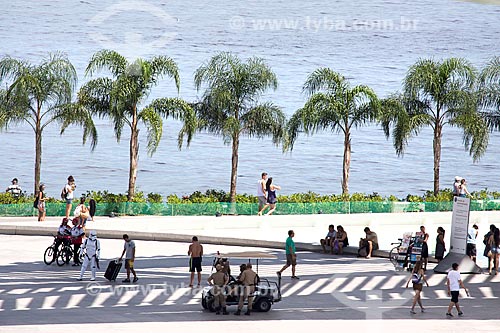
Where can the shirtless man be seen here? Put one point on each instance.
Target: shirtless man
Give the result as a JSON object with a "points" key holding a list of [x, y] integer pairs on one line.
{"points": [[196, 252]]}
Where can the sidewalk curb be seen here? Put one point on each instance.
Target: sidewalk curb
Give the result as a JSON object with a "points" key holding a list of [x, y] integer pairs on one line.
{"points": [[168, 237]]}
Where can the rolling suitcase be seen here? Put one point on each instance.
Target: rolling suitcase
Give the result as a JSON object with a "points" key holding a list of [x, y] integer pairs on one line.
{"points": [[113, 269]]}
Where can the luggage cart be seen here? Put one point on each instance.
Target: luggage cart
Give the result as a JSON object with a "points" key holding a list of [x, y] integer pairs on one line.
{"points": [[415, 250], [400, 253]]}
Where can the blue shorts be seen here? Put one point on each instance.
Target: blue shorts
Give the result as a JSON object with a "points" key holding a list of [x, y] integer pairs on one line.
{"points": [[69, 201]]}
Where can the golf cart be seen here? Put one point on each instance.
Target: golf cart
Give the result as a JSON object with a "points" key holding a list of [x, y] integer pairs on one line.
{"points": [[266, 292]]}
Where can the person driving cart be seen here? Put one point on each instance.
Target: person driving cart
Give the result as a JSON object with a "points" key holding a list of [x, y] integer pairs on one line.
{"points": [[249, 279], [218, 281]]}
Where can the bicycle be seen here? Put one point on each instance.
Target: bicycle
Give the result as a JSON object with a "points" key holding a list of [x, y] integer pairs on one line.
{"points": [[48, 256], [64, 255], [394, 253]]}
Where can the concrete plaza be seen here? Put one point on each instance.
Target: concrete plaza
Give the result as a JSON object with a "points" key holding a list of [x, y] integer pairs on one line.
{"points": [[338, 293]]}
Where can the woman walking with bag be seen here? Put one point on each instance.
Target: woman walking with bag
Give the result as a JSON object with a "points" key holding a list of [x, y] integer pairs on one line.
{"points": [[417, 277]]}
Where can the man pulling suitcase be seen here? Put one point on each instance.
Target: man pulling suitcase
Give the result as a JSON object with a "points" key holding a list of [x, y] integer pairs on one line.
{"points": [[129, 252]]}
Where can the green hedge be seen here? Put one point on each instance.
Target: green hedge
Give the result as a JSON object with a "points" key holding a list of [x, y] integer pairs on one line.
{"points": [[211, 208]]}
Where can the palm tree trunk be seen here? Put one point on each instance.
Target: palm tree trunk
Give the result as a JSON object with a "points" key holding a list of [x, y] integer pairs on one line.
{"points": [[38, 156], [234, 167], [347, 163], [437, 155], [134, 157]]}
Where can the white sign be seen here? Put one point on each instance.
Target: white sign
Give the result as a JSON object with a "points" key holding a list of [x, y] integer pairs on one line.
{"points": [[459, 225]]}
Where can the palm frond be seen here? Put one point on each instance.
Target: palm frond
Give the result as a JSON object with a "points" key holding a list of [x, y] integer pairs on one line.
{"points": [[107, 59], [77, 114], [154, 126], [177, 108], [263, 120]]}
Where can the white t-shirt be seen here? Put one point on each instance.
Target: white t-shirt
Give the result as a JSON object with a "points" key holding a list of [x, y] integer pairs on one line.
{"points": [[471, 236], [69, 192], [454, 277], [129, 249], [260, 192]]}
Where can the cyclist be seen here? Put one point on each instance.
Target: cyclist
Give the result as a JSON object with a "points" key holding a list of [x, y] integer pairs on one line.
{"points": [[76, 238], [63, 236]]}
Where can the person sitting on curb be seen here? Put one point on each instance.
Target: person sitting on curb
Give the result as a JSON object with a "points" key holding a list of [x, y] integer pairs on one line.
{"points": [[342, 240], [329, 238], [368, 244]]}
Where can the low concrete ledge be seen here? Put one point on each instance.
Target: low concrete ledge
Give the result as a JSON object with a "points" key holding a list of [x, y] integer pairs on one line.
{"points": [[168, 237]]}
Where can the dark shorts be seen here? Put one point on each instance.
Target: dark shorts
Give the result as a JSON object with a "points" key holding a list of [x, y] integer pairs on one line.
{"points": [[195, 264], [129, 264], [417, 286], [471, 250], [291, 260], [69, 201], [454, 296]]}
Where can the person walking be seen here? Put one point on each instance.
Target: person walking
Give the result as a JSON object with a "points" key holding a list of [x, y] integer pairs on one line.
{"points": [[129, 252], [456, 186], [463, 189], [219, 281], [41, 202], [453, 283], [14, 189], [471, 249], [77, 240], [261, 192], [486, 242], [195, 252], [271, 196], [249, 279], [494, 252], [440, 245], [291, 256], [417, 278], [424, 237], [68, 194], [91, 250]]}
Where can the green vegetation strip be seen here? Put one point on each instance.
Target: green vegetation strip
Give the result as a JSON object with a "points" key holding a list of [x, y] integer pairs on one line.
{"points": [[208, 209]]}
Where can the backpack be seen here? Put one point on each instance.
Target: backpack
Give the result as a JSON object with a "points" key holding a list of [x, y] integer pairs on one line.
{"points": [[35, 203], [63, 193], [415, 278]]}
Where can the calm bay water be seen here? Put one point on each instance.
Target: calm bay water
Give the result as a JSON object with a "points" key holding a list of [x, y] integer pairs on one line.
{"points": [[372, 42]]}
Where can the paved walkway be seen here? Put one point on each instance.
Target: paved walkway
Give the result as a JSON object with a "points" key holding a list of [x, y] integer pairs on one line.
{"points": [[344, 293], [262, 231]]}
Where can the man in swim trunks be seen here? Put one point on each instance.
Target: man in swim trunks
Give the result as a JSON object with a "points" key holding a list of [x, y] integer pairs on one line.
{"points": [[196, 252]]}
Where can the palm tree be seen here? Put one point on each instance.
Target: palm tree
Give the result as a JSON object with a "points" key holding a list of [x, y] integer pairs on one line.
{"points": [[40, 95], [489, 89], [119, 99], [333, 104], [230, 106], [437, 94]]}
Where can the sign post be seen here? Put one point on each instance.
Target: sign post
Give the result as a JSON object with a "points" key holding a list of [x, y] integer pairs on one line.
{"points": [[458, 240], [459, 225]]}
